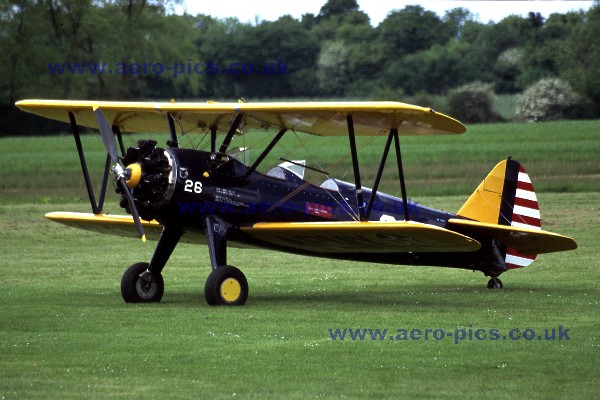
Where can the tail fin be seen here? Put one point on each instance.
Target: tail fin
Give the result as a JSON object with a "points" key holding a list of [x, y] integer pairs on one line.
{"points": [[506, 197]]}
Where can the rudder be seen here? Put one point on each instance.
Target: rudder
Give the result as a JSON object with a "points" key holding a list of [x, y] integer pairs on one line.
{"points": [[506, 197]]}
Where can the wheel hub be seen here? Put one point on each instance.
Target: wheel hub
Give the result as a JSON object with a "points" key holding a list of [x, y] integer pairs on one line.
{"points": [[146, 286], [230, 290]]}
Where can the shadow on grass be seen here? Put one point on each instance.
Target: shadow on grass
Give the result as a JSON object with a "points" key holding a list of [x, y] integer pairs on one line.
{"points": [[423, 295]]}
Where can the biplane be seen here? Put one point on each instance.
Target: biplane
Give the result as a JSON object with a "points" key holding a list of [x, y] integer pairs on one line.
{"points": [[208, 196]]}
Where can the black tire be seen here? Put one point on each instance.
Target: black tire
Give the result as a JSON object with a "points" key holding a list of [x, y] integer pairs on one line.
{"points": [[140, 289], [494, 283], [226, 285]]}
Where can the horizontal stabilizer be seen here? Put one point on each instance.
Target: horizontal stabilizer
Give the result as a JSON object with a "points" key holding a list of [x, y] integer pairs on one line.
{"points": [[524, 240], [361, 237]]}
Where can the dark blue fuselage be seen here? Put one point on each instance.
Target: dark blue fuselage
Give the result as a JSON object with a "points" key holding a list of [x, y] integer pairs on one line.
{"points": [[226, 188]]}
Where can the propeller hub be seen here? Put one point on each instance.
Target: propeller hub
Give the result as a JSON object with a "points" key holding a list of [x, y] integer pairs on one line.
{"points": [[118, 171], [135, 174]]}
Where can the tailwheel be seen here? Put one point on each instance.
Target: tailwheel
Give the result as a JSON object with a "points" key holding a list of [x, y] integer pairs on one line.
{"points": [[226, 285], [140, 285], [494, 283]]}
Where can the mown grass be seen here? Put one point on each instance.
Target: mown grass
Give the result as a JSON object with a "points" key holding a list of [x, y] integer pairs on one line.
{"points": [[66, 333]]}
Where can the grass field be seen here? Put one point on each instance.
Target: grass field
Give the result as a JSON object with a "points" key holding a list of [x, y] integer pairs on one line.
{"points": [[66, 333]]}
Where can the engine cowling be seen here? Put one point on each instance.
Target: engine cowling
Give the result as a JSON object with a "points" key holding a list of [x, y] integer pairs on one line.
{"points": [[151, 178]]}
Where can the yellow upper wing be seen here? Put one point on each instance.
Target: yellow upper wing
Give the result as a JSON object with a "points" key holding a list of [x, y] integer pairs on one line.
{"points": [[316, 118]]}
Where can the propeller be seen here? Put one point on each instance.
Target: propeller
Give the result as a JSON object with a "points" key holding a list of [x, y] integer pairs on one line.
{"points": [[120, 173]]}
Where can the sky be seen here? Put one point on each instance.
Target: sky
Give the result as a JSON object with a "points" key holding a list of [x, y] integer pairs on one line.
{"points": [[249, 11]]}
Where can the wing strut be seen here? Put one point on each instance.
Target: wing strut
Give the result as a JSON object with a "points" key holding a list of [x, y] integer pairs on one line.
{"points": [[386, 151], [394, 132], [173, 143], [236, 122], [358, 186], [265, 152], [117, 132], [96, 207], [213, 139]]}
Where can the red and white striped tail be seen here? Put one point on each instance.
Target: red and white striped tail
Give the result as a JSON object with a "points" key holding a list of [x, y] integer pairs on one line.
{"points": [[526, 214], [514, 259]]}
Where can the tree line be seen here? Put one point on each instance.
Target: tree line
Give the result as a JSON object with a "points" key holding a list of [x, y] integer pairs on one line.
{"points": [[332, 55]]}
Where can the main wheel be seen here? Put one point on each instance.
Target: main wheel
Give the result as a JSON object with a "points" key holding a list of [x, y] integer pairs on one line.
{"points": [[139, 285], [226, 285], [494, 283]]}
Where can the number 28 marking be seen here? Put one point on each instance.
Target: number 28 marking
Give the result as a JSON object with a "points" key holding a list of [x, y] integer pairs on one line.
{"points": [[193, 187]]}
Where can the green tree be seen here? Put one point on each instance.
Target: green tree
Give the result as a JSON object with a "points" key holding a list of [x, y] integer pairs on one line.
{"points": [[365, 54], [282, 52], [217, 42], [541, 56], [456, 20], [21, 23], [437, 69], [285, 50], [410, 30], [332, 68], [507, 70], [335, 53], [548, 99], [146, 34], [88, 32], [494, 48], [337, 8], [580, 60], [472, 102]]}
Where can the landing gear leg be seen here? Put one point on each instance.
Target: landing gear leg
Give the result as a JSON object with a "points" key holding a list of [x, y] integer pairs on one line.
{"points": [[226, 285], [496, 264], [143, 282]]}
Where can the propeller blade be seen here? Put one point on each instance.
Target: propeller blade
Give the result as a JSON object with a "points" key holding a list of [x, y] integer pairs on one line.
{"points": [[134, 212], [108, 137]]}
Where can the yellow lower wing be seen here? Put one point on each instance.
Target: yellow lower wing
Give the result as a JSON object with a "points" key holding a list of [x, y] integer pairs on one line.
{"points": [[361, 237], [526, 241], [118, 225]]}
